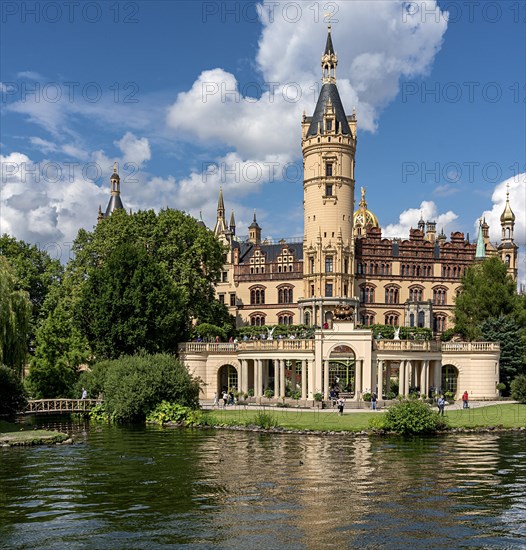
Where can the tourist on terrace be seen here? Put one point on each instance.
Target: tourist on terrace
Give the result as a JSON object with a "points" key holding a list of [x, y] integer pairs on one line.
{"points": [[465, 400]]}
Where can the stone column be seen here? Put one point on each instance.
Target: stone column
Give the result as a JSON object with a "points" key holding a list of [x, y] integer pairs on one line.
{"points": [[401, 377], [423, 376], [317, 366], [380, 378], [438, 374], [387, 377], [264, 375], [326, 379], [407, 378], [244, 376], [277, 365], [310, 378], [282, 378], [304, 379], [358, 389], [257, 387], [293, 375]]}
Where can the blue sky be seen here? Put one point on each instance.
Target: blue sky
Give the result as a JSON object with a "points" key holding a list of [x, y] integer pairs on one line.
{"points": [[439, 93]]}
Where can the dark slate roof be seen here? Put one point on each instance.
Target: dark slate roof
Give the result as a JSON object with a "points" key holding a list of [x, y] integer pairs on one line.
{"points": [[271, 251], [329, 90], [329, 48], [114, 204]]}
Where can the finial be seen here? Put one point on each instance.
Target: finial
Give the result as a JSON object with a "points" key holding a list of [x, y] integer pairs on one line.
{"points": [[115, 167], [254, 215], [328, 17]]}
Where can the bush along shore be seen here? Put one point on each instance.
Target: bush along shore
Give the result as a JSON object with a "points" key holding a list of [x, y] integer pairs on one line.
{"points": [[11, 435], [411, 417]]}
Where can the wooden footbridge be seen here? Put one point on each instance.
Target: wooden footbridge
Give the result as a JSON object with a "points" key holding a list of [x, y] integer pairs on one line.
{"points": [[60, 406]]}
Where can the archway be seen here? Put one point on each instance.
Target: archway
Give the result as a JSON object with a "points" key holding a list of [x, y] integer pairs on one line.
{"points": [[342, 369], [227, 379], [449, 379]]}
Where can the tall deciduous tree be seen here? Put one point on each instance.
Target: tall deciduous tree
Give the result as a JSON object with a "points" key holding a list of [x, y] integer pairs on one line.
{"points": [[487, 291], [510, 335], [35, 272], [15, 312], [131, 303]]}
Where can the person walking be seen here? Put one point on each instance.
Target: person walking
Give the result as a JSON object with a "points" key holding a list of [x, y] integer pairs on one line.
{"points": [[373, 401], [465, 400], [84, 393], [216, 400], [341, 405], [441, 403]]}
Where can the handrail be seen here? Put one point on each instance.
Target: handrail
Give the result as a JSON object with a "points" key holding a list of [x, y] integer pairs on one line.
{"points": [[60, 405]]}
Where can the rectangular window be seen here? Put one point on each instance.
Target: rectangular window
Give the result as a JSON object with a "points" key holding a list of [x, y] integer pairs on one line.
{"points": [[346, 265], [328, 264], [312, 291], [345, 290], [222, 298], [328, 169], [232, 299], [328, 190], [312, 265], [329, 125], [224, 277], [328, 290]]}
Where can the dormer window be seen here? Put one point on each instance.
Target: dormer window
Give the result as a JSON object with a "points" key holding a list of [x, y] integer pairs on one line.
{"points": [[329, 125]]}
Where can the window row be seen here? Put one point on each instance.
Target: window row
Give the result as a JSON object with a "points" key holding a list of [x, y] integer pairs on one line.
{"points": [[373, 268], [392, 295], [415, 270], [439, 321], [258, 319], [285, 295], [329, 265]]}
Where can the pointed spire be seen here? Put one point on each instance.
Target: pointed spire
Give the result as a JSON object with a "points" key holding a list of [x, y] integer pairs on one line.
{"points": [[329, 61], [480, 253], [220, 204], [329, 48], [232, 225]]}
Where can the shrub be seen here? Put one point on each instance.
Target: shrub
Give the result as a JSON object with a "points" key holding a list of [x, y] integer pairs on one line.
{"points": [[98, 413], [413, 417], [318, 396], [207, 330], [269, 394], [134, 385], [13, 397], [366, 396], [518, 388], [264, 420]]}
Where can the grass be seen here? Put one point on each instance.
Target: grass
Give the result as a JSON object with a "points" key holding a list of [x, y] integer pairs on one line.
{"points": [[11, 434], [501, 415]]}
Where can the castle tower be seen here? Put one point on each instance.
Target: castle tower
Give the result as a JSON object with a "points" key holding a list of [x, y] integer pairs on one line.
{"points": [[507, 247], [115, 201], [220, 226], [254, 231], [232, 225], [328, 146]]}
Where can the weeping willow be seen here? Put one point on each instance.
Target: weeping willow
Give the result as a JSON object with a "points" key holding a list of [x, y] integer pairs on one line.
{"points": [[15, 312]]}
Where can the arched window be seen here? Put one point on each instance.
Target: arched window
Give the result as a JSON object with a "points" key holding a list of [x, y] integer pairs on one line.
{"points": [[257, 296], [507, 259], [415, 294], [285, 295], [285, 318], [367, 294], [412, 320], [391, 295], [439, 323], [367, 318], [421, 319], [439, 296], [306, 318], [257, 319], [391, 319]]}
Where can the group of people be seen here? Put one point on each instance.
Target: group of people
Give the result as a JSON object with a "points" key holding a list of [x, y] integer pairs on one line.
{"points": [[441, 402], [228, 398]]}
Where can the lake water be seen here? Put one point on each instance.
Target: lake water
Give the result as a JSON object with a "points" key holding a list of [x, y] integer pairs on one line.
{"points": [[149, 487]]}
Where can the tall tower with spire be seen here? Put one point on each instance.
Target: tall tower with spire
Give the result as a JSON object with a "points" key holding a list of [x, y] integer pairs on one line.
{"points": [[507, 247], [328, 146], [115, 201], [220, 227]]}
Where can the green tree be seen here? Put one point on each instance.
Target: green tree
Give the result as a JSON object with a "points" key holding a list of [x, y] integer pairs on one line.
{"points": [[60, 349], [35, 271], [518, 389], [134, 386], [510, 335], [139, 280], [12, 394], [487, 291], [15, 312], [131, 303]]}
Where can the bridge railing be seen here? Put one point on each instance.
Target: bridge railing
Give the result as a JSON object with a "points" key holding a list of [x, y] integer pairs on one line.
{"points": [[60, 405]]}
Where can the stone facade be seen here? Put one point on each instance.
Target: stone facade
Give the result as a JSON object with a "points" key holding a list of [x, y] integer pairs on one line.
{"points": [[342, 264]]}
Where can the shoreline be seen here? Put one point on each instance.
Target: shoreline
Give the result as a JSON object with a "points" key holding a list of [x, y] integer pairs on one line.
{"points": [[17, 437]]}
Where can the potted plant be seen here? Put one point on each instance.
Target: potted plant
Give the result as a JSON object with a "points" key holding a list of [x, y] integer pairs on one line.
{"points": [[318, 397]]}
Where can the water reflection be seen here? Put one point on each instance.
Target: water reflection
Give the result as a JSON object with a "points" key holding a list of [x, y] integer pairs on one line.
{"points": [[148, 487]]}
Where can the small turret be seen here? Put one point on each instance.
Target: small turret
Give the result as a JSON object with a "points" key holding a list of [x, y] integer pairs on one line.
{"points": [[232, 225], [254, 231], [115, 202]]}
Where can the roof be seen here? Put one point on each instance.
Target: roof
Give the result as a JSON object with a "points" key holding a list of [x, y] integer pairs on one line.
{"points": [[329, 91], [271, 251], [329, 48], [114, 203]]}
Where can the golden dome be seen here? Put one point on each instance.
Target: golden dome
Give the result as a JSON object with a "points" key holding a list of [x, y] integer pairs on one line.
{"points": [[507, 215], [364, 217]]}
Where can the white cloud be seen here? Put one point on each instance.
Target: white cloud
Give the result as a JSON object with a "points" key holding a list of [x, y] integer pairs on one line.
{"points": [[134, 150], [31, 75], [375, 49], [409, 219], [517, 190]]}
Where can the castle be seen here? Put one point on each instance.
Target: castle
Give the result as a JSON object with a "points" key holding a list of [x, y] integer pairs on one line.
{"points": [[341, 278]]}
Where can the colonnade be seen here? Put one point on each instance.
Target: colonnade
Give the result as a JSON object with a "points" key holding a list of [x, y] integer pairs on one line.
{"points": [[422, 373], [254, 373]]}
